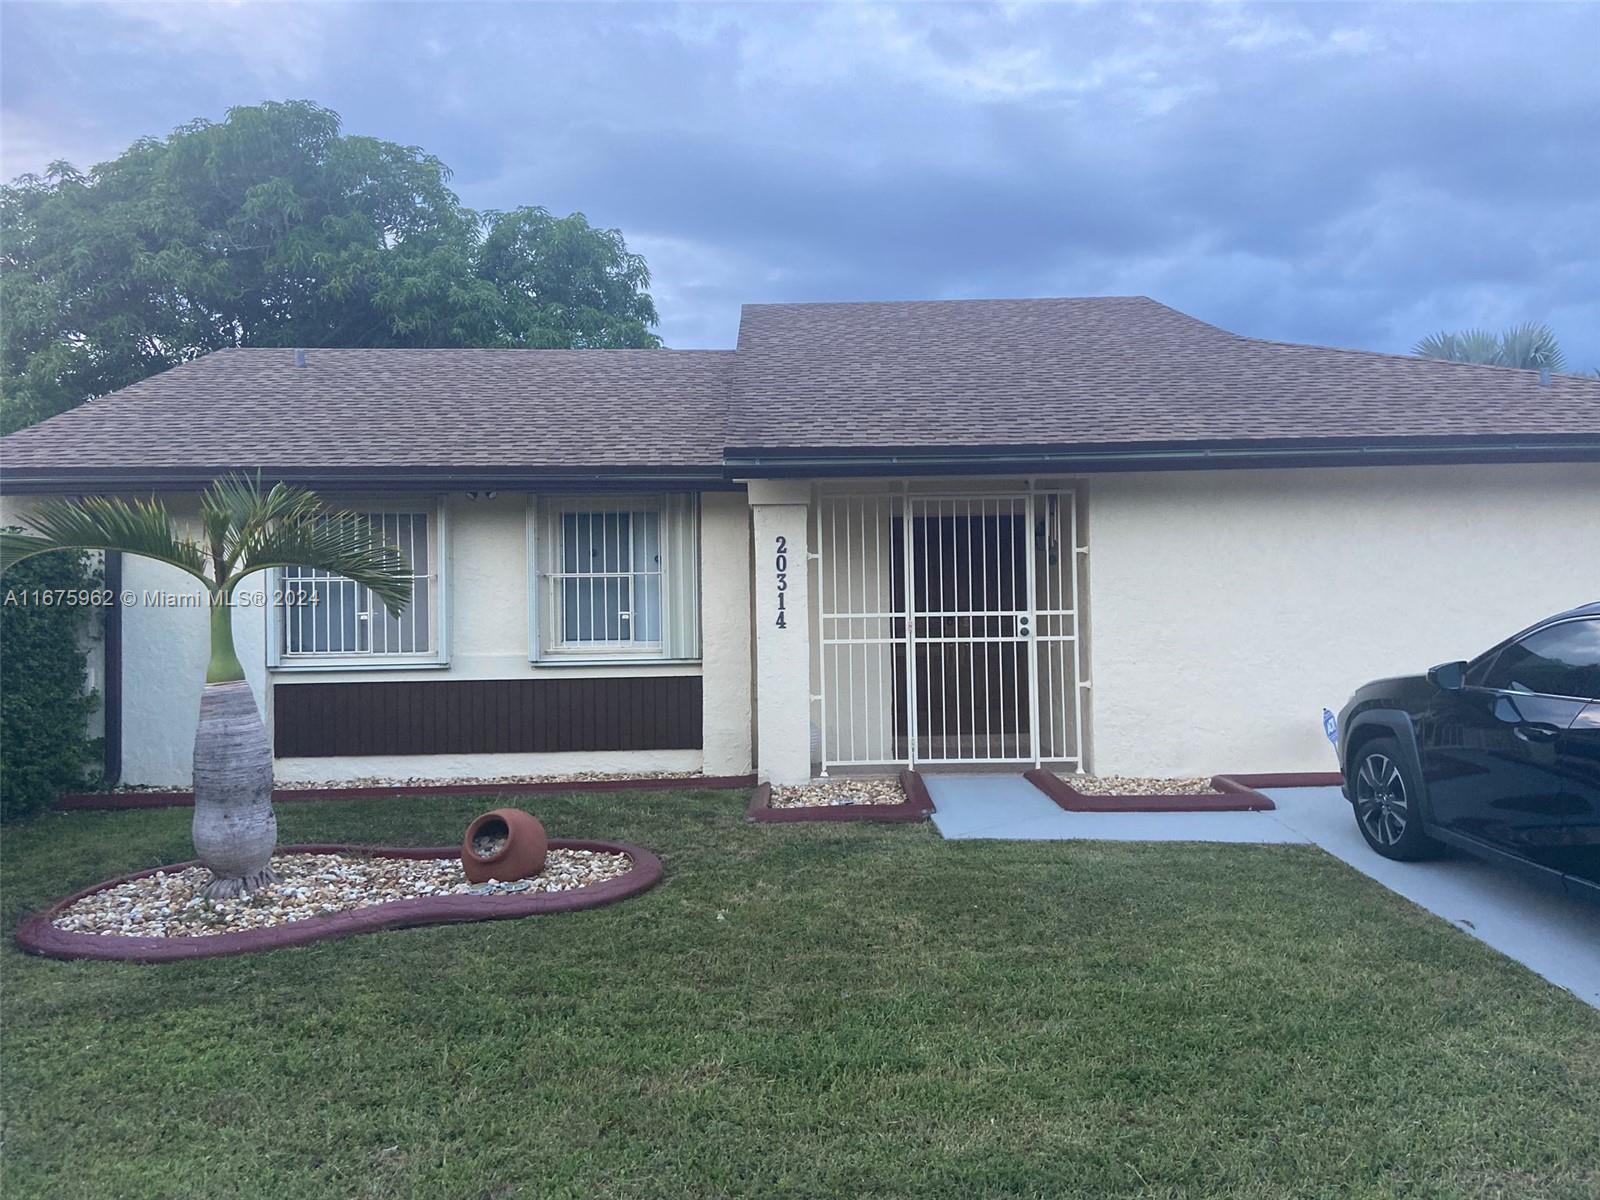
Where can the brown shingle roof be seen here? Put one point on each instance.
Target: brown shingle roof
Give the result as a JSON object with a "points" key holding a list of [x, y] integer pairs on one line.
{"points": [[1097, 371], [965, 375], [401, 409]]}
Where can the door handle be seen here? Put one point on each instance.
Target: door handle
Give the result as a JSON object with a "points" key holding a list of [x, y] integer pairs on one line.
{"points": [[1537, 735]]}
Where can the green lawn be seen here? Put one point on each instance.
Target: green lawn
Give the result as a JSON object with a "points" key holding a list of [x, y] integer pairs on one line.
{"points": [[811, 1011]]}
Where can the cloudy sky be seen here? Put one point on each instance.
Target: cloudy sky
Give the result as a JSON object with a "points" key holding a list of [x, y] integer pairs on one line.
{"points": [[1338, 174]]}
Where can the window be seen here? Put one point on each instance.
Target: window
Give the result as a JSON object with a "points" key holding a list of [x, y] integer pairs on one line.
{"points": [[327, 618], [616, 577], [1559, 660], [608, 586]]}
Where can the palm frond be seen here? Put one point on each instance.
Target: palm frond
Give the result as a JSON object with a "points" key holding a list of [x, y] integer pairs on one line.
{"points": [[1531, 346], [1468, 346], [1438, 345], [1478, 346], [140, 527], [236, 515], [339, 542]]}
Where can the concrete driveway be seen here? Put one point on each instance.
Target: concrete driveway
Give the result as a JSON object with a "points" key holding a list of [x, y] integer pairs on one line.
{"points": [[1556, 937]]}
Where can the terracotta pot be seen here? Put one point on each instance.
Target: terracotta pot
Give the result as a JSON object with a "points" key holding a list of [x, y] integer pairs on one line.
{"points": [[521, 856]]}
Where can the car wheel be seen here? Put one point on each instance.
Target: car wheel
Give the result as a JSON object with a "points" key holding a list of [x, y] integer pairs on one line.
{"points": [[1385, 796]]}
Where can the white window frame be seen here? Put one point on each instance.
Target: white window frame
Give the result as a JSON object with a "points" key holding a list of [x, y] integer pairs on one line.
{"points": [[544, 534], [279, 658]]}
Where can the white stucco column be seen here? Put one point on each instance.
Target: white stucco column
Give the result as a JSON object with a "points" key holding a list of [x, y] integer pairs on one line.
{"points": [[783, 630]]}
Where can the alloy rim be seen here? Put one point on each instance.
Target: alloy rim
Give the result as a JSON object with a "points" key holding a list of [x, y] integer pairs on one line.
{"points": [[1381, 799]]}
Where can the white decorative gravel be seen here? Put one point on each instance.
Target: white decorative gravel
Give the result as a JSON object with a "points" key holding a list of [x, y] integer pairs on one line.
{"points": [[168, 904], [490, 782], [821, 793], [494, 781], [1135, 785]]}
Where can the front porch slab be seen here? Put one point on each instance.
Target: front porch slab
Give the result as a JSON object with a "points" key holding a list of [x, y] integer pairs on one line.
{"points": [[1010, 807]]}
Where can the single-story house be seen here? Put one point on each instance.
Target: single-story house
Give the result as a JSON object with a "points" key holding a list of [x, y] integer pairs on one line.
{"points": [[1089, 533]]}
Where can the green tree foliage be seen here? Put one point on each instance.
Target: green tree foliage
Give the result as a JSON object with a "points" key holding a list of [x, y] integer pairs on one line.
{"points": [[45, 748], [1528, 346], [274, 229]]}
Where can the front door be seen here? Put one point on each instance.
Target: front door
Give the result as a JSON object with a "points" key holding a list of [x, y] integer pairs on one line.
{"points": [[970, 641]]}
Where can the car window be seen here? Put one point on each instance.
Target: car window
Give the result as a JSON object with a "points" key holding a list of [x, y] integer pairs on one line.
{"points": [[1559, 660]]}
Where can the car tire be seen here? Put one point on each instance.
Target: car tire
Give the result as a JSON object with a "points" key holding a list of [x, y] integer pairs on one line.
{"points": [[1385, 795]]}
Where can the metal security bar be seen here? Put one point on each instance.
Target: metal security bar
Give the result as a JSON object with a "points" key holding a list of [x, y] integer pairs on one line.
{"points": [[327, 614], [971, 632], [987, 669], [862, 630], [1058, 631], [615, 577], [607, 588]]}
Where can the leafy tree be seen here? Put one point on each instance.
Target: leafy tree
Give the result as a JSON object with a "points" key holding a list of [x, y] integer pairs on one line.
{"points": [[45, 748], [272, 228], [244, 531], [1528, 346]]}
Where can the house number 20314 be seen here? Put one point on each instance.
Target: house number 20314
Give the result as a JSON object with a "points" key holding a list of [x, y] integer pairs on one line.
{"points": [[780, 563]]}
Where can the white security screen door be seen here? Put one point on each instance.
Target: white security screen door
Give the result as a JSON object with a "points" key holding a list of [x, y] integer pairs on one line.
{"points": [[971, 635], [948, 628]]}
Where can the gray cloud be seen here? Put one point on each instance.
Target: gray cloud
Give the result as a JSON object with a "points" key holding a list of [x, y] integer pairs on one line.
{"points": [[1341, 174]]}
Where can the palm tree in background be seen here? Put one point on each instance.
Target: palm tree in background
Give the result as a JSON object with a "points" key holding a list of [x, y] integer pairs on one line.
{"points": [[245, 531], [1529, 346]]}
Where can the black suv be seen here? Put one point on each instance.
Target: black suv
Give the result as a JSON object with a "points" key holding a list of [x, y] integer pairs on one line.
{"points": [[1499, 756]]}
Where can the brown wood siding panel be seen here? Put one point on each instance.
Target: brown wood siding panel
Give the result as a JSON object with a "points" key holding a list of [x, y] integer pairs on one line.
{"points": [[487, 716]]}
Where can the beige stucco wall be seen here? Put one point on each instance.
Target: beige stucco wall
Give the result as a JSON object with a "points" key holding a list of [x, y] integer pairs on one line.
{"points": [[725, 645], [165, 650], [487, 611], [164, 654], [1228, 608], [1225, 610]]}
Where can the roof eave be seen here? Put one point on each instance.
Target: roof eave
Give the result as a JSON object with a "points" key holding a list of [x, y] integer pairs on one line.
{"points": [[793, 462], [58, 480]]}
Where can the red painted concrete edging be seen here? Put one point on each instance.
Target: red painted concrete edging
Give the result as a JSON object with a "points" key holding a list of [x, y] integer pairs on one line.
{"points": [[1235, 783], [108, 801], [38, 936], [1234, 798], [915, 807]]}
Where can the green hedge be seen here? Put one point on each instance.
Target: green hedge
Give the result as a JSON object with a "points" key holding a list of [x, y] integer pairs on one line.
{"points": [[45, 747]]}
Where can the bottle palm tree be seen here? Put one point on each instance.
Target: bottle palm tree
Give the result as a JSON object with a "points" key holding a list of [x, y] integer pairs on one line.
{"points": [[1528, 346], [245, 531]]}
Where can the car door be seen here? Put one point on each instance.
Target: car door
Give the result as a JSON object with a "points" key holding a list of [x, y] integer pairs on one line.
{"points": [[1499, 754], [1581, 753]]}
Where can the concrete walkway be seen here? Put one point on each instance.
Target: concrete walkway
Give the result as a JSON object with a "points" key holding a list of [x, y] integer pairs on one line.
{"points": [[1009, 807], [1556, 937]]}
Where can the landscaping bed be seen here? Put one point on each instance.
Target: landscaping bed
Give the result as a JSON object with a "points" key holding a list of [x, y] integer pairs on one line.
{"points": [[823, 792], [1131, 785], [323, 891], [379, 788], [843, 798], [168, 903], [1116, 793]]}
